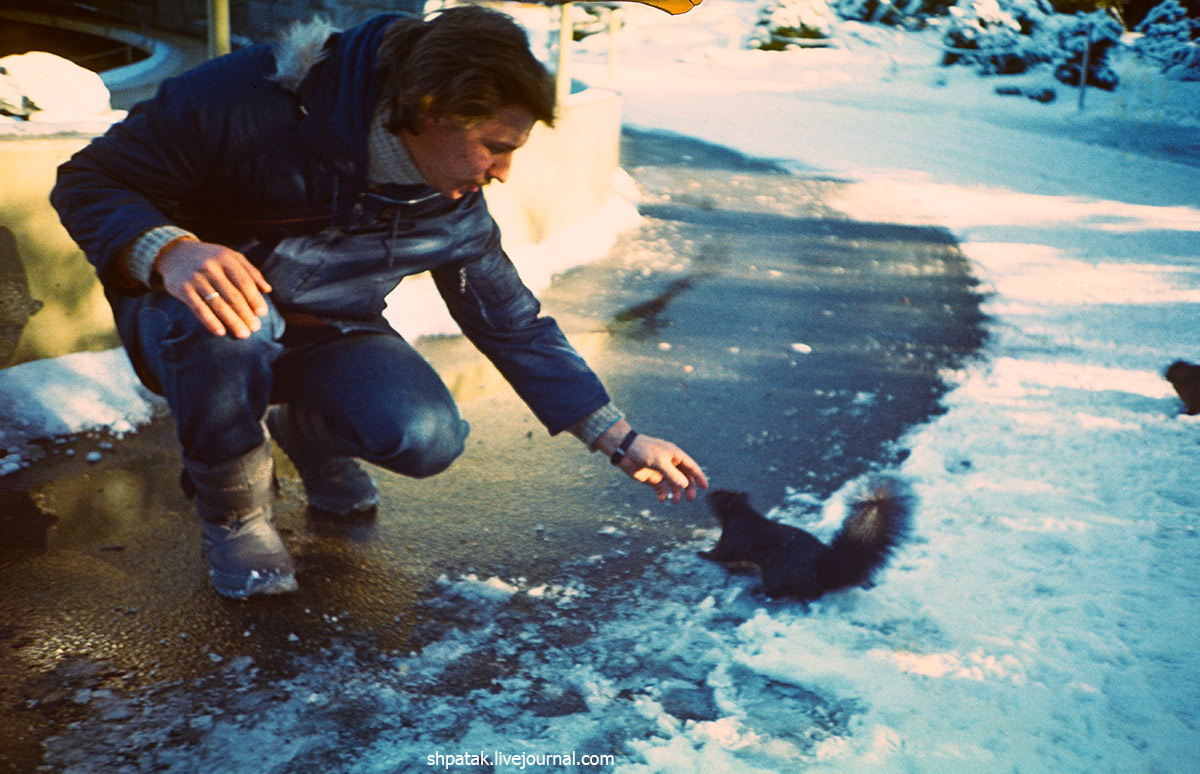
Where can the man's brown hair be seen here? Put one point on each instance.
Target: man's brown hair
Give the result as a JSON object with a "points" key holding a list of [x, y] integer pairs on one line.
{"points": [[465, 64]]}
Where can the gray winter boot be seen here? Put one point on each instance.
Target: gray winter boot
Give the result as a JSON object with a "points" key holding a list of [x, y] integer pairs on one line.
{"points": [[234, 500], [333, 483]]}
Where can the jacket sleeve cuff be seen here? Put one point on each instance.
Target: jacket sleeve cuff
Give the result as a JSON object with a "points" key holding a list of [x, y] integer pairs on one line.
{"points": [[140, 254], [590, 428]]}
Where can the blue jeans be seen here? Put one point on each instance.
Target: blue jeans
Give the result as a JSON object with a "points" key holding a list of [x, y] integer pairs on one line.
{"points": [[382, 400]]}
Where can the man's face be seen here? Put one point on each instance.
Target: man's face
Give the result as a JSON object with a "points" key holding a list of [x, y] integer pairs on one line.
{"points": [[457, 160]]}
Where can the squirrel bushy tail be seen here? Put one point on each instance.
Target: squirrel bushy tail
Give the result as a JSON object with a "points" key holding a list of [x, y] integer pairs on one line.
{"points": [[880, 519]]}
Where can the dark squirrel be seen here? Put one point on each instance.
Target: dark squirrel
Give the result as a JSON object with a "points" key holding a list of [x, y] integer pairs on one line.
{"points": [[796, 564], [1185, 378]]}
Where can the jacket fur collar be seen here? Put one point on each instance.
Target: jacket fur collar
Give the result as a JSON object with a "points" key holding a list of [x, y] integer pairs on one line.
{"points": [[299, 49]]}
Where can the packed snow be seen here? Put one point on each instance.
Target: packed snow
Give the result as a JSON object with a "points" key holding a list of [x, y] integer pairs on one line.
{"points": [[1041, 621], [1042, 617], [40, 93]]}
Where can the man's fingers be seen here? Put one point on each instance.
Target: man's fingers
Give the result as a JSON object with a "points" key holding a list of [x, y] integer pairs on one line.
{"points": [[664, 467], [647, 476], [235, 298], [677, 477], [682, 472], [667, 481], [236, 315], [209, 302], [222, 288], [199, 303], [694, 471], [238, 311], [256, 278], [249, 284]]}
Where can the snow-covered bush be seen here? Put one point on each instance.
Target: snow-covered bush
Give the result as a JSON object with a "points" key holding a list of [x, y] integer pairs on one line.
{"points": [[1168, 38], [1186, 66], [1103, 33], [999, 37], [1006, 37], [588, 20], [784, 23], [890, 11]]}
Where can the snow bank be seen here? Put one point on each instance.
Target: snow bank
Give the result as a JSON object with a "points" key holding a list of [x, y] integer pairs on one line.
{"points": [[45, 88], [1042, 620], [85, 391]]}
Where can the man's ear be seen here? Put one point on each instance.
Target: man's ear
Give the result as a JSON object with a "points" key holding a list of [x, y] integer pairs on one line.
{"points": [[426, 116], [437, 122]]}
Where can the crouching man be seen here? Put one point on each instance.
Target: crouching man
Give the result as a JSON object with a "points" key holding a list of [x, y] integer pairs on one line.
{"points": [[247, 224]]}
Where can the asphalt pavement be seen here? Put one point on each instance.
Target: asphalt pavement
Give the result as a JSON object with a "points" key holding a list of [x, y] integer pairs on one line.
{"points": [[782, 345]]}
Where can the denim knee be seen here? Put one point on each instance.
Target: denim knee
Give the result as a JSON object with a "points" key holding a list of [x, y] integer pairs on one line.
{"points": [[424, 442], [187, 341], [168, 333], [218, 387]]}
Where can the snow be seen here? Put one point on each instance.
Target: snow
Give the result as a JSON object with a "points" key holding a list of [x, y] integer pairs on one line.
{"points": [[51, 92], [1041, 619], [69, 395], [471, 587]]}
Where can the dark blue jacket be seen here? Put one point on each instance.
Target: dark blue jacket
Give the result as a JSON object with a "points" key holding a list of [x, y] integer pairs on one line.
{"points": [[281, 176]]}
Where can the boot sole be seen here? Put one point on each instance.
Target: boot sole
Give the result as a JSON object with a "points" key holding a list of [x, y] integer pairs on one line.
{"points": [[338, 508], [257, 583]]}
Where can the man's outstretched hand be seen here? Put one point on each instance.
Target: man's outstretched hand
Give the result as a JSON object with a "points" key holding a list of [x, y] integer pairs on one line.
{"points": [[659, 464]]}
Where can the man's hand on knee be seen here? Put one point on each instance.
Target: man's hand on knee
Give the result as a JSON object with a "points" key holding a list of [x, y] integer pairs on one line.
{"points": [[221, 287]]}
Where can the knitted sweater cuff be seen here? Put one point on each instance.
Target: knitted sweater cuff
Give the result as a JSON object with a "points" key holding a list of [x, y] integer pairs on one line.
{"points": [[140, 255], [590, 428]]}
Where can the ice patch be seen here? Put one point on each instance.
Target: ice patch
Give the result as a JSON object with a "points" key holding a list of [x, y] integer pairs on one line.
{"points": [[472, 587]]}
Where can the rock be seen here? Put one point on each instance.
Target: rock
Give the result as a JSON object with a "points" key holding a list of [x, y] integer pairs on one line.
{"points": [[1037, 95], [16, 306], [1044, 96]]}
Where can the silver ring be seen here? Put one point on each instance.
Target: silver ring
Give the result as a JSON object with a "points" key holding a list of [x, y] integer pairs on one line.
{"points": [[209, 296]]}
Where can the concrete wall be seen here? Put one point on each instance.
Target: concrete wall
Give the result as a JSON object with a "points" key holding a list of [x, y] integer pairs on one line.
{"points": [[256, 20], [73, 315], [560, 175]]}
